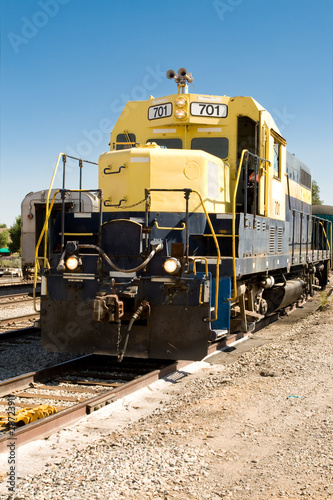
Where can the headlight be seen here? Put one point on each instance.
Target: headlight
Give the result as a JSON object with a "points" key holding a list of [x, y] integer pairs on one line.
{"points": [[72, 262], [180, 102], [172, 265], [180, 113]]}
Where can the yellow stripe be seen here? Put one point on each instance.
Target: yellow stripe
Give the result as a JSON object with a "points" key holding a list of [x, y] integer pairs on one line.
{"points": [[222, 235], [77, 234]]}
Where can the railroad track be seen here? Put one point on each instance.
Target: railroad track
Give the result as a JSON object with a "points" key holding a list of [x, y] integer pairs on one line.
{"points": [[16, 298], [74, 389], [15, 321], [15, 302], [79, 387], [10, 338], [14, 282], [8, 287]]}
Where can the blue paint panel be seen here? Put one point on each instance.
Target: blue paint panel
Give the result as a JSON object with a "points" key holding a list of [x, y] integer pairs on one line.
{"points": [[223, 320]]}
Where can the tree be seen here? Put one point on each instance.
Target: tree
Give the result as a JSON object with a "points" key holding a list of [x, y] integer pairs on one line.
{"points": [[15, 235], [3, 239], [316, 194], [3, 225]]}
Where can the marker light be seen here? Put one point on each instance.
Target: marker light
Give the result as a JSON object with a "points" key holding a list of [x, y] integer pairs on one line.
{"points": [[180, 113], [72, 262], [171, 266], [180, 102]]}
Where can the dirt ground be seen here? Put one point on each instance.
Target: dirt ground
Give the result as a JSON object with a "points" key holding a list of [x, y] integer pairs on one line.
{"points": [[255, 422]]}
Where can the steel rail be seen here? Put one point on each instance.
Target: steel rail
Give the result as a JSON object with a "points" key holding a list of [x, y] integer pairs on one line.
{"points": [[17, 319], [45, 427], [20, 333], [10, 300]]}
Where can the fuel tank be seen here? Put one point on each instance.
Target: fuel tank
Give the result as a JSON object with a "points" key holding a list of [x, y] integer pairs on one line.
{"points": [[283, 294]]}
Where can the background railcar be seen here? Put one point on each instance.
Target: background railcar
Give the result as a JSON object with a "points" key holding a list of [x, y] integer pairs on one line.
{"points": [[204, 227], [33, 215]]}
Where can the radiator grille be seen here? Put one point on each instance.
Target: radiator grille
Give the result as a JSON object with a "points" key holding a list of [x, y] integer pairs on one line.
{"points": [[280, 239], [271, 239]]}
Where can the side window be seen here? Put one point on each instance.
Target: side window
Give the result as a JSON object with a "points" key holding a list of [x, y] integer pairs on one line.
{"points": [[125, 141], [277, 160]]}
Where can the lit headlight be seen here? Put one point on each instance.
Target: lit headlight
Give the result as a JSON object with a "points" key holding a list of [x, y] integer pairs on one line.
{"points": [[172, 265], [72, 262], [180, 102], [180, 113]]}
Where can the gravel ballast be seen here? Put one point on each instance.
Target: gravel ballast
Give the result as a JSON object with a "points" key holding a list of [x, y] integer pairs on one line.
{"points": [[252, 425]]}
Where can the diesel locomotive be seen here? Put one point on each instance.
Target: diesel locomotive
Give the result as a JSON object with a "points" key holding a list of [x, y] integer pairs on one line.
{"points": [[202, 227]]}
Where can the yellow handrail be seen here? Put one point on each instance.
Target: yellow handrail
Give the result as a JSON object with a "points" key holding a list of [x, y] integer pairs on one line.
{"points": [[44, 258], [218, 258], [199, 259], [48, 199], [171, 228], [234, 296], [329, 244], [244, 152]]}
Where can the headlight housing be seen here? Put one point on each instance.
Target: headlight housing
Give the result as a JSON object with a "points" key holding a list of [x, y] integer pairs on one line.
{"points": [[180, 102], [172, 265], [180, 114], [72, 262]]}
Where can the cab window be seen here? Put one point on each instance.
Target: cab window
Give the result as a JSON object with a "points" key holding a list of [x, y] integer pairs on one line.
{"points": [[172, 143], [125, 141], [277, 160], [217, 146]]}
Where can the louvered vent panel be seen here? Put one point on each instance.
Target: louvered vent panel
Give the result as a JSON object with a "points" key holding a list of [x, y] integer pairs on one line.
{"points": [[271, 239], [280, 239]]}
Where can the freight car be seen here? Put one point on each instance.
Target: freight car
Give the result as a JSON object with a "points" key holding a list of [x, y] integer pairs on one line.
{"points": [[33, 214], [204, 227], [325, 212]]}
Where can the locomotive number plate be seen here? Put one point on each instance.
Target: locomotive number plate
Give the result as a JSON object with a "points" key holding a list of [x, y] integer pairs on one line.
{"points": [[209, 109], [160, 111]]}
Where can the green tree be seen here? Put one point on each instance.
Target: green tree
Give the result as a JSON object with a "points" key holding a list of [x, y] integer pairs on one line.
{"points": [[3, 239], [3, 225], [316, 194], [15, 235]]}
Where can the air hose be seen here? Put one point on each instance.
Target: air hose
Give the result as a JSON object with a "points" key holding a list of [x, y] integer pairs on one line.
{"points": [[144, 305], [155, 249]]}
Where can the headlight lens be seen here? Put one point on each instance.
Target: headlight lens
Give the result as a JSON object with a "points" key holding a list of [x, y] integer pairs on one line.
{"points": [[180, 113], [180, 102], [72, 262], [171, 266]]}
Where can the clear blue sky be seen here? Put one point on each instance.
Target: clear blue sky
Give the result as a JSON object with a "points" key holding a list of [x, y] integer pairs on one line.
{"points": [[68, 67]]}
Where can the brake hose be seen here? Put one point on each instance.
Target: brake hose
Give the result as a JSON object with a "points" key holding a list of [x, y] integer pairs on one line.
{"points": [[157, 248]]}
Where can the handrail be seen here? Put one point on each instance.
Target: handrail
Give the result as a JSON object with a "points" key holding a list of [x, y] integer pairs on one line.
{"points": [[47, 209], [218, 258], [325, 234], [329, 243], [234, 296], [43, 231], [244, 152], [115, 144], [171, 228], [199, 259]]}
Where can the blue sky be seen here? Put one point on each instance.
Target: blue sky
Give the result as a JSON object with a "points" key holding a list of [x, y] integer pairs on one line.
{"points": [[69, 66]]}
